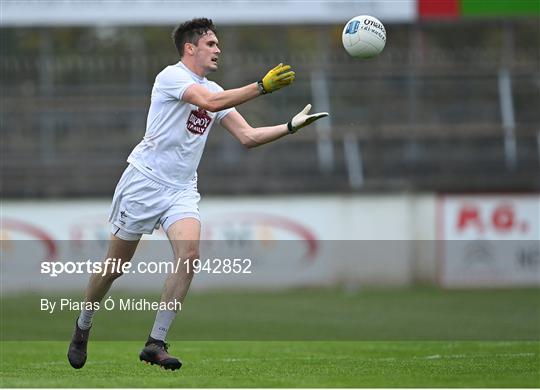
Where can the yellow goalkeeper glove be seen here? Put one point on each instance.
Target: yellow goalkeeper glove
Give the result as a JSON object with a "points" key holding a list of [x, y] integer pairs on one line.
{"points": [[277, 78], [303, 119]]}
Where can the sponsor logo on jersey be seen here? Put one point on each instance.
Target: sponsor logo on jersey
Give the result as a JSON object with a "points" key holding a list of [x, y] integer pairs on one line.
{"points": [[198, 121]]}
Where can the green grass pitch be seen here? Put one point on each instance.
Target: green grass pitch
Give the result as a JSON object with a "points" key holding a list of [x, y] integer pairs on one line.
{"points": [[305, 338], [280, 364]]}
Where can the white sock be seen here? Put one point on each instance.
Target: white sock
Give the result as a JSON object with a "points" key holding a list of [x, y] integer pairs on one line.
{"points": [[164, 319], [85, 319]]}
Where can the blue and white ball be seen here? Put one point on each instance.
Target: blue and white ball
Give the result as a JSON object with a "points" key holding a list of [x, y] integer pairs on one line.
{"points": [[364, 36]]}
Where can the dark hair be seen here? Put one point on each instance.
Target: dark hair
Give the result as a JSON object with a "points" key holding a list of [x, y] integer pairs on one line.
{"points": [[191, 31]]}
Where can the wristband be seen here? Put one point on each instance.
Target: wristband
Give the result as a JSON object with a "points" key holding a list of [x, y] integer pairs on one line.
{"points": [[290, 128], [261, 87]]}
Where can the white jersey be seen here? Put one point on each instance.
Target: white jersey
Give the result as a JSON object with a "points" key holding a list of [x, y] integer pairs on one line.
{"points": [[176, 131]]}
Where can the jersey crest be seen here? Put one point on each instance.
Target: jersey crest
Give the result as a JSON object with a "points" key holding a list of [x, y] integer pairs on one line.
{"points": [[198, 121]]}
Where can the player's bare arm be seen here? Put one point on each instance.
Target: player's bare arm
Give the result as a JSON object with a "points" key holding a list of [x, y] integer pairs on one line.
{"points": [[214, 102], [250, 137], [278, 77]]}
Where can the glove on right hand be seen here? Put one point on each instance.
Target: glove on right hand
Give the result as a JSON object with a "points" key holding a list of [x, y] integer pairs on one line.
{"points": [[303, 119]]}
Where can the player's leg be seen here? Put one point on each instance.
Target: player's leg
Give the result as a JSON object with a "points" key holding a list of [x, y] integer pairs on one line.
{"points": [[136, 209], [99, 284], [120, 251], [184, 235]]}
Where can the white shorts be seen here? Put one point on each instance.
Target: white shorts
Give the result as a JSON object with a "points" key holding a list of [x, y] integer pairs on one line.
{"points": [[141, 205]]}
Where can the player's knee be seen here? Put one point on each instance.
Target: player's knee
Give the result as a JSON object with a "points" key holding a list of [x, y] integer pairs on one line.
{"points": [[115, 275], [111, 276], [106, 276], [191, 262], [189, 253], [191, 256]]}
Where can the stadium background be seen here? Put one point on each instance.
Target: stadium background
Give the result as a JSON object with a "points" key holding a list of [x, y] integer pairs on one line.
{"points": [[431, 148]]}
